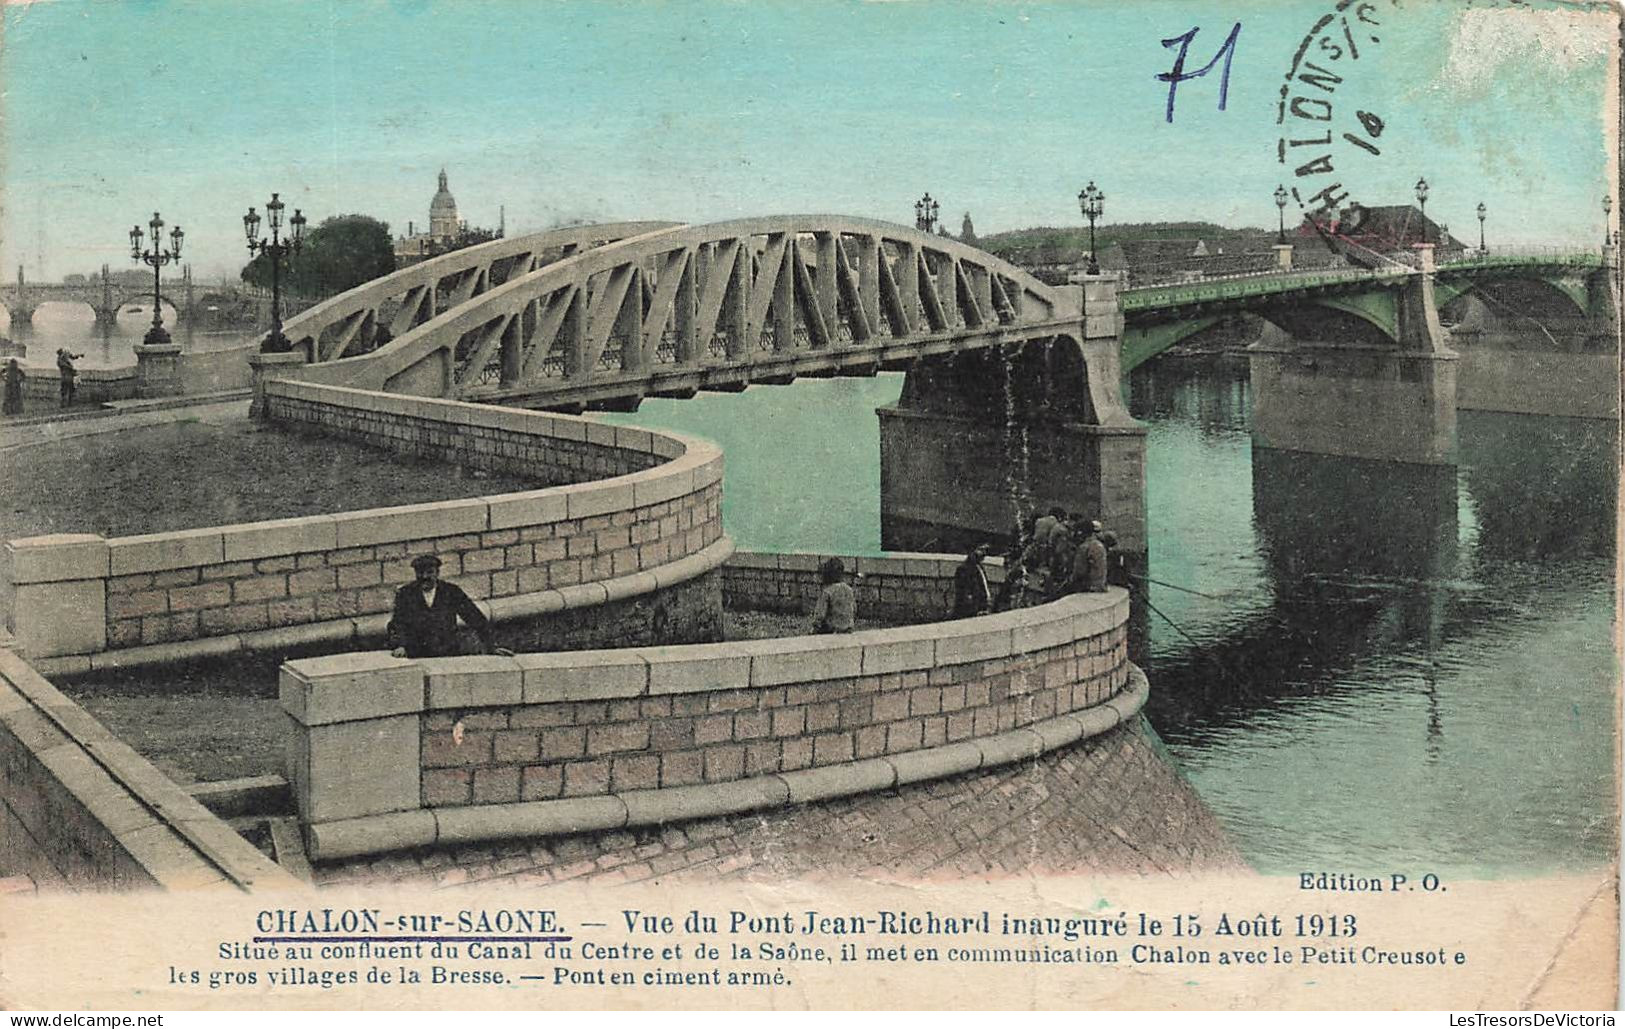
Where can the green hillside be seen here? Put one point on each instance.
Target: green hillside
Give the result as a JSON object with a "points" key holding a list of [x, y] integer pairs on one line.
{"points": [[1044, 243]]}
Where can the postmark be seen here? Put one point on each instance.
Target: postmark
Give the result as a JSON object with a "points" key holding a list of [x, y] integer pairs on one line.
{"points": [[1328, 138]]}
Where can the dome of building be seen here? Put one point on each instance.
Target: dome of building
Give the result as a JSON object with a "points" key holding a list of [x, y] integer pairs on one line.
{"points": [[443, 211]]}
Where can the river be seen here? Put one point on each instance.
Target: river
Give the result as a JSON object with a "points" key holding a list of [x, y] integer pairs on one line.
{"points": [[1389, 667], [73, 326]]}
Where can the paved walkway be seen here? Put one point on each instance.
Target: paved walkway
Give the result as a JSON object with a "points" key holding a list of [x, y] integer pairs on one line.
{"points": [[1110, 804], [31, 431]]}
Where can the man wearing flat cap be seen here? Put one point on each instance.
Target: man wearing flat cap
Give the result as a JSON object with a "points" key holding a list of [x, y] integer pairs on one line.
{"points": [[426, 611]]}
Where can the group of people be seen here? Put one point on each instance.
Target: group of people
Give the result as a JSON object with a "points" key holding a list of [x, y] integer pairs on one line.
{"points": [[67, 376], [1060, 553]]}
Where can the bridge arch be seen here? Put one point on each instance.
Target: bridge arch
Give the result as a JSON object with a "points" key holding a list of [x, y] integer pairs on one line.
{"points": [[1533, 296], [678, 309], [370, 315]]}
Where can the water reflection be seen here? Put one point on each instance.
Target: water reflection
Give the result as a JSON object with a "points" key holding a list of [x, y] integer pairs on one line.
{"points": [[74, 327], [1414, 661]]}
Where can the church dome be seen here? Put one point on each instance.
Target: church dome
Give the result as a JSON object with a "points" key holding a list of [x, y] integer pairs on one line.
{"points": [[443, 211], [443, 202]]}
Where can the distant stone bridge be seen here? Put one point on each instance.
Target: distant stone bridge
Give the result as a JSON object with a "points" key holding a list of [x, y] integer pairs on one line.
{"points": [[105, 296]]}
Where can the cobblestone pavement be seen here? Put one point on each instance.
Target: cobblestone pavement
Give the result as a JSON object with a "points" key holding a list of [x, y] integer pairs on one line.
{"points": [[1108, 804]]}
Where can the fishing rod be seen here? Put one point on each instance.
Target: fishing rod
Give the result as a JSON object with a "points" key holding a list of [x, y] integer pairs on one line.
{"points": [[1199, 648], [1182, 589]]}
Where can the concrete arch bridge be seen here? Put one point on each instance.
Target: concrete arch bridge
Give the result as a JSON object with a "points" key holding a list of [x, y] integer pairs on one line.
{"points": [[602, 317], [1570, 292]]}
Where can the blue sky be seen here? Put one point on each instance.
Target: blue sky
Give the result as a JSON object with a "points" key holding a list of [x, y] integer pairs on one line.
{"points": [[700, 111]]}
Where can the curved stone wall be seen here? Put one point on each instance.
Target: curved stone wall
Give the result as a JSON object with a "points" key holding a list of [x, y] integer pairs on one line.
{"points": [[388, 753], [632, 512]]}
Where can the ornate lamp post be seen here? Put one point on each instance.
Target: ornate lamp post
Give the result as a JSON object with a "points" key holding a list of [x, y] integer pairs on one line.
{"points": [[1280, 205], [1482, 211], [1607, 213], [157, 257], [1091, 201], [925, 213], [1422, 198], [276, 248]]}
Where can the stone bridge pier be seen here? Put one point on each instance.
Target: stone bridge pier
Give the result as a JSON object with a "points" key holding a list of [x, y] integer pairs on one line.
{"points": [[1343, 388], [983, 439], [1541, 348]]}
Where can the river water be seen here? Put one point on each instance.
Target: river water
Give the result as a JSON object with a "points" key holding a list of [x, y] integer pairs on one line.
{"points": [[74, 326], [1391, 668]]}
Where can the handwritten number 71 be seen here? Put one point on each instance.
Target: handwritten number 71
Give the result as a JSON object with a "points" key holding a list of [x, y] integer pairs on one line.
{"points": [[1179, 74]]}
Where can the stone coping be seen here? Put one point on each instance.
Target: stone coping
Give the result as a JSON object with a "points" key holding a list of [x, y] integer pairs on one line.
{"points": [[899, 562], [322, 690], [460, 825], [690, 464], [169, 834], [352, 631]]}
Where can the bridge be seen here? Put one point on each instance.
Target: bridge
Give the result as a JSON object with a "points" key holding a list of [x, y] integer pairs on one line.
{"points": [[1007, 377], [668, 310], [1367, 305], [104, 295], [184, 300]]}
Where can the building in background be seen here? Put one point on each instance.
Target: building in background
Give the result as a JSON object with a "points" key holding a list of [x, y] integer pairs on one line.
{"points": [[446, 232]]}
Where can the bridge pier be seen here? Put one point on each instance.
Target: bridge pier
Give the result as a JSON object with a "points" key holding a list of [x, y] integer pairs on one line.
{"points": [[1367, 402], [1556, 364], [981, 440], [1348, 398]]}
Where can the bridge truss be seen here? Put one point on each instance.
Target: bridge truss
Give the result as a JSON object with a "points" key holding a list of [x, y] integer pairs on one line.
{"points": [[675, 310]]}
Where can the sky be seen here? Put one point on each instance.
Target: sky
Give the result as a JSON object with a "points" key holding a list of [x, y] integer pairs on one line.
{"points": [[694, 110]]}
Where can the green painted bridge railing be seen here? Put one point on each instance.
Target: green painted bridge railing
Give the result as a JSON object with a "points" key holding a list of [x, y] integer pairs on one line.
{"points": [[1265, 283]]}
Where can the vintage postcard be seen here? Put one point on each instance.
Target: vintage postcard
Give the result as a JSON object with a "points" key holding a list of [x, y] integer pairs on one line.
{"points": [[518, 505]]}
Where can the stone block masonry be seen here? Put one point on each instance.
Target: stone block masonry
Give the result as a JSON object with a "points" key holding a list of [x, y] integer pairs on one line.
{"points": [[81, 810], [897, 588], [629, 512], [578, 741]]}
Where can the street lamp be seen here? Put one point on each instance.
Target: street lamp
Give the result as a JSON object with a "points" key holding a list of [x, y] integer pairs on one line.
{"points": [[1280, 204], [925, 213], [157, 257], [1422, 198], [1482, 249], [1607, 211], [1091, 201], [276, 248]]}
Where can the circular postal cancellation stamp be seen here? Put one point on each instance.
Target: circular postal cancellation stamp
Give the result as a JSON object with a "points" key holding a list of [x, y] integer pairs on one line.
{"points": [[1325, 133]]}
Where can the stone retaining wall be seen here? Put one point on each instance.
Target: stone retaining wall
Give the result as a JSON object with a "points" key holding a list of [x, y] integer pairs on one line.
{"points": [[388, 753], [80, 810], [655, 522], [898, 588], [42, 389]]}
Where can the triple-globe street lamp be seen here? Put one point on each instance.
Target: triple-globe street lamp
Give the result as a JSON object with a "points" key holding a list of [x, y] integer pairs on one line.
{"points": [[276, 248], [1422, 199], [925, 213], [1091, 201], [1280, 205], [157, 257], [1482, 211]]}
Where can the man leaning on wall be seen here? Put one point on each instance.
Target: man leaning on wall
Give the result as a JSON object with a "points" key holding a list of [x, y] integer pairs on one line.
{"points": [[424, 622]]}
